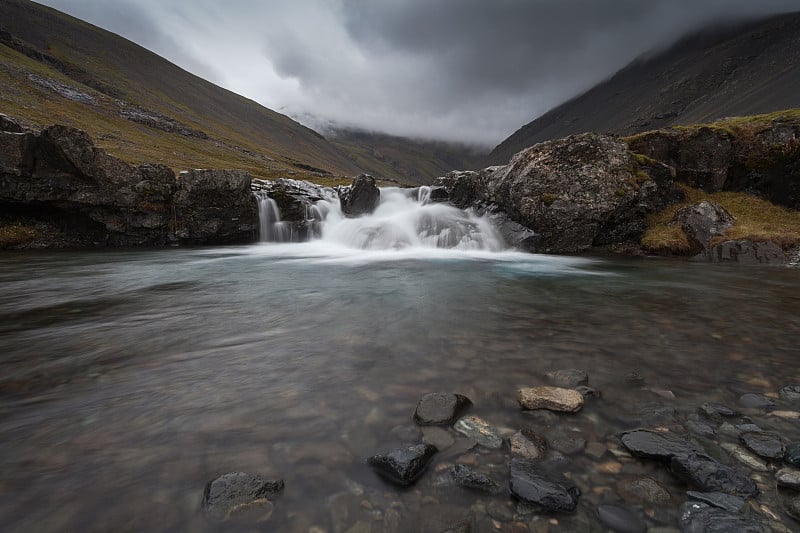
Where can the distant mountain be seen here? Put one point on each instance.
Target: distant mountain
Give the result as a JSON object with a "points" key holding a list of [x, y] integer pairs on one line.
{"points": [[406, 161], [746, 69]]}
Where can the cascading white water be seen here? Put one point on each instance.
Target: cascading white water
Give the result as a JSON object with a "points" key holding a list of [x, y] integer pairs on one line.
{"points": [[401, 220], [270, 227]]}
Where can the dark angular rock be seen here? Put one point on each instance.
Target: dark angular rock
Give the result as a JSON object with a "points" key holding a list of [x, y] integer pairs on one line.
{"points": [[9, 124], [440, 408], [702, 429], [710, 476], [361, 197], [470, 479], [790, 393], [620, 519], [701, 222], [569, 378], [698, 517], [653, 445], [229, 492], [766, 445], [755, 401], [405, 465], [531, 485], [720, 500], [792, 455]]}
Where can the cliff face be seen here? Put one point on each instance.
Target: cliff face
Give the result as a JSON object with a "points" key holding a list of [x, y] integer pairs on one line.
{"points": [[720, 72], [76, 194]]}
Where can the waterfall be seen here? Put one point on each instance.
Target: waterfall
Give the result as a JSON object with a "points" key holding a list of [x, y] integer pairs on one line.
{"points": [[401, 220]]}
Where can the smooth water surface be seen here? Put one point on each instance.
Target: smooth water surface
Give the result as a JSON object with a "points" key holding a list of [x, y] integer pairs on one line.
{"points": [[129, 379]]}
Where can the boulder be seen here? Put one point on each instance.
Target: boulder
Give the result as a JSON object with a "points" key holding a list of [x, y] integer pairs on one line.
{"points": [[403, 466], [440, 408], [238, 493], [701, 222], [361, 197], [532, 485], [550, 398]]}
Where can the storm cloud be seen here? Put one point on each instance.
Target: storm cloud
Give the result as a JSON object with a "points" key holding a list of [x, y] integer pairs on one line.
{"points": [[460, 70]]}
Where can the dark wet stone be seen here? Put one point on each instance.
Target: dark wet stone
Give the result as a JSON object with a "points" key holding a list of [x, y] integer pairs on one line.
{"points": [[471, 479], [361, 197], [749, 428], [700, 428], [621, 519], [653, 445], [588, 392], [531, 485], [228, 494], [720, 500], [404, 465], [755, 401], [766, 445], [644, 490], [440, 408], [788, 478], [568, 445], [569, 378], [793, 508], [698, 517], [790, 393], [714, 410], [710, 476], [527, 445], [792, 455]]}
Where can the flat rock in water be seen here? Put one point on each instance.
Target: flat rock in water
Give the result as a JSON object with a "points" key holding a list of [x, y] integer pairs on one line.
{"points": [[568, 445], [229, 494], [755, 401], [526, 444], [654, 445], [550, 398], [479, 431], [790, 393], [531, 485], [720, 500], [621, 519], [471, 479], [404, 465], [749, 428], [766, 445], [568, 378], [440, 408], [715, 410], [792, 455], [438, 437], [698, 517], [788, 478], [701, 429], [710, 476], [644, 490]]}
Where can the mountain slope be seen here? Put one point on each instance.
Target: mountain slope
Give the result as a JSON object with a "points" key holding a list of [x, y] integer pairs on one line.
{"points": [[744, 70], [406, 161], [55, 68]]}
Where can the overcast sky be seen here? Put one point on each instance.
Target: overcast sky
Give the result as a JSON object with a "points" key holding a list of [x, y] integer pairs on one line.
{"points": [[460, 70]]}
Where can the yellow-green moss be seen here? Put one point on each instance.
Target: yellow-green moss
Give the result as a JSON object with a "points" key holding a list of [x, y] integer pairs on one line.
{"points": [[16, 234]]}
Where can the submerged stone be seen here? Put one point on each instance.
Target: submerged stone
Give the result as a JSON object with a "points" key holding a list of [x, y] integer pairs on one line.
{"points": [[654, 445], [790, 393], [471, 479], [644, 490], [710, 476], [404, 465], [531, 485], [717, 410], [480, 431], [788, 478], [792, 455], [745, 457], [569, 378], [440, 408], [437, 437], [700, 428], [755, 401], [766, 445], [620, 519], [568, 445], [727, 502], [550, 398], [526, 444], [698, 517], [238, 494]]}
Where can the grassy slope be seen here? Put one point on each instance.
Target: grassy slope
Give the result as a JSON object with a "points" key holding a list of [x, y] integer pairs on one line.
{"points": [[242, 133]]}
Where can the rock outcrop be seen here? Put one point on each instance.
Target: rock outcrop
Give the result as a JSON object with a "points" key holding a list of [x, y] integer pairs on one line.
{"points": [[574, 193], [59, 179], [361, 197], [701, 222]]}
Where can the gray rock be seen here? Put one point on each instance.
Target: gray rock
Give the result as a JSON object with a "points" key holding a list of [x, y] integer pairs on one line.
{"points": [[710, 476], [644, 490], [479, 431], [568, 378], [790, 393], [792, 455], [230, 493], [720, 500], [698, 517], [701, 429], [361, 197], [766, 445], [440, 408], [654, 445], [531, 485], [755, 401], [745, 252], [404, 465], [701, 222], [526, 444], [788, 478], [749, 428], [620, 519], [551, 398], [717, 411], [437, 437], [471, 479]]}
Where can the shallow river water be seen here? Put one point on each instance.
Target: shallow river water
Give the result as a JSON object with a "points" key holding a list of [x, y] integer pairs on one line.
{"points": [[129, 379]]}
